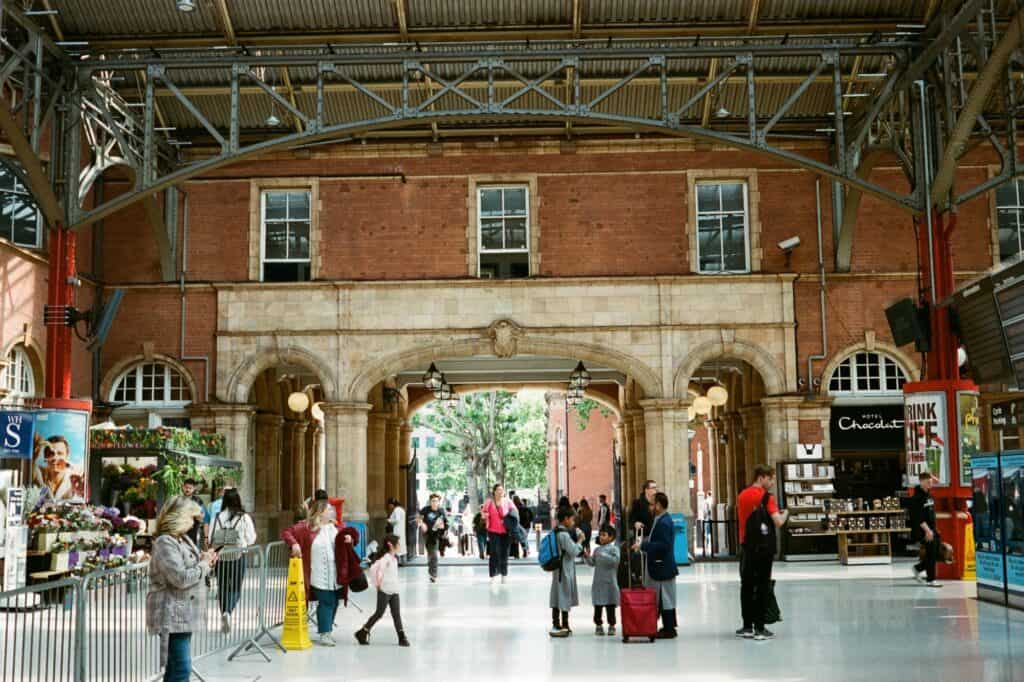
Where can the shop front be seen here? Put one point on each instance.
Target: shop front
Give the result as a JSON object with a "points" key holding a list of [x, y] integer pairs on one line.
{"points": [[867, 450]]}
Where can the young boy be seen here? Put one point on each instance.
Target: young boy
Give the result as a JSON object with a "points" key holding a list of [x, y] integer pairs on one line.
{"points": [[564, 593], [604, 591]]}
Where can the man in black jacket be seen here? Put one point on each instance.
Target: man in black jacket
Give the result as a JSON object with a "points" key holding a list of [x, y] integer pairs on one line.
{"points": [[641, 512], [434, 526], [923, 528]]}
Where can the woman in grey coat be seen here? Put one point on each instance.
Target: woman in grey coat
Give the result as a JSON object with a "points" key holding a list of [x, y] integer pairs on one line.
{"points": [[176, 603], [564, 593], [604, 591]]}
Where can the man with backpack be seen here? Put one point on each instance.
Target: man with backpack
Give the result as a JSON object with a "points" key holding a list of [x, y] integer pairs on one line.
{"points": [[759, 516]]}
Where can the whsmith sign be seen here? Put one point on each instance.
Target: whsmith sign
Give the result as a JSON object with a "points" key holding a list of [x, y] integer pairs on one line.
{"points": [[867, 428]]}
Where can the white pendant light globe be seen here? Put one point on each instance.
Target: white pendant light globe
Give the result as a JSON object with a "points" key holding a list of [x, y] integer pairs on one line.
{"points": [[298, 401], [317, 412], [691, 413], [702, 405], [718, 395], [961, 356]]}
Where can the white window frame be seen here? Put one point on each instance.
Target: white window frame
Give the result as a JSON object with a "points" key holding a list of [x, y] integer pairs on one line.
{"points": [[881, 395], [138, 402], [480, 250], [746, 225], [19, 366], [9, 229], [1018, 208], [263, 228]]}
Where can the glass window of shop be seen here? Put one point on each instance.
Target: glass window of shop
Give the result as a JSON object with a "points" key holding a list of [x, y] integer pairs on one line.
{"points": [[151, 394], [722, 227], [20, 220], [1010, 219], [867, 374], [17, 378], [503, 218], [285, 227]]}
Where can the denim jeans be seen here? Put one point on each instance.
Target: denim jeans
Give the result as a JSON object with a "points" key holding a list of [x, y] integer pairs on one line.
{"points": [[481, 544], [179, 657], [326, 608]]}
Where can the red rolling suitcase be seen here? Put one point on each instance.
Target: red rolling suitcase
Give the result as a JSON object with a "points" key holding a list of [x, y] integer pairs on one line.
{"points": [[639, 607]]}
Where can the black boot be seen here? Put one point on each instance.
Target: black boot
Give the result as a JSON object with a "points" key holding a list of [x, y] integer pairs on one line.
{"points": [[363, 636], [402, 640]]}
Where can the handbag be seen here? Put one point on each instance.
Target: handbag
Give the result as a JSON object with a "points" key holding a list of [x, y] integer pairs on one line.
{"points": [[359, 583]]}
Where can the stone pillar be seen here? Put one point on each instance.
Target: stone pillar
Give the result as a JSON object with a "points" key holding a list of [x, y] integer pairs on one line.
{"points": [[376, 468], [311, 466], [345, 440], [392, 443], [298, 475], [267, 497], [235, 423], [404, 457], [286, 465], [781, 426], [668, 451], [628, 454], [620, 451], [640, 469]]}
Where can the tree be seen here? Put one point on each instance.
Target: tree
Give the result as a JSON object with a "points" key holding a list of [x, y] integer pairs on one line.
{"points": [[495, 436]]}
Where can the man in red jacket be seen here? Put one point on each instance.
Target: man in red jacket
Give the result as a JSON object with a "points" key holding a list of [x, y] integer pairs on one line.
{"points": [[757, 553]]}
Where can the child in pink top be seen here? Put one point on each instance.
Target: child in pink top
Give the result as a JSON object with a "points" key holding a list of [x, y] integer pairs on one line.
{"points": [[494, 512]]}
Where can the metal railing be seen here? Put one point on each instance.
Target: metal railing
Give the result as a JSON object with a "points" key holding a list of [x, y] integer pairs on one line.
{"points": [[93, 628]]}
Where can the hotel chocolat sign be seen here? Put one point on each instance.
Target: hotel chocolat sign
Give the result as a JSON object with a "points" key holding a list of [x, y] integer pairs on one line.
{"points": [[868, 427]]}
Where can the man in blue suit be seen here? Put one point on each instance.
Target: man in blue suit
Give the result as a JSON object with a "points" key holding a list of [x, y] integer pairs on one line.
{"points": [[661, 565]]}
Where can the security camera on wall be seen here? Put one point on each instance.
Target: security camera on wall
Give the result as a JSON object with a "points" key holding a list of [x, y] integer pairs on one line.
{"points": [[787, 245]]}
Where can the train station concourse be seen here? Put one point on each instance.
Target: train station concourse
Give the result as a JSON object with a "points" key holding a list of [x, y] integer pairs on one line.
{"points": [[555, 339]]}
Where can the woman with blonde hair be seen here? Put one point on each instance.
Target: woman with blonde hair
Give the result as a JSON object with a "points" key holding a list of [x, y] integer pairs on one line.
{"points": [[326, 566], [176, 603]]}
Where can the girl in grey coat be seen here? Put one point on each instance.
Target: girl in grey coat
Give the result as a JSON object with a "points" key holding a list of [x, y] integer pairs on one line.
{"points": [[176, 603], [604, 591], [564, 593]]}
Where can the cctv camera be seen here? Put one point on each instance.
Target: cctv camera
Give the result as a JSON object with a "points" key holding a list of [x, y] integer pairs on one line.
{"points": [[788, 245]]}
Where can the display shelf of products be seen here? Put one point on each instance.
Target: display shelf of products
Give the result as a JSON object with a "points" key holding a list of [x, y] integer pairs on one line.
{"points": [[804, 489], [865, 529]]}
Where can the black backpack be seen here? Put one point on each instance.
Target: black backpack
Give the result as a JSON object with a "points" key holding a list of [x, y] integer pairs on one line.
{"points": [[759, 531]]}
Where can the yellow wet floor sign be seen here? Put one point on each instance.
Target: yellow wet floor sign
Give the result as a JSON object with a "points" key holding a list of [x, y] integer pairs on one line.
{"points": [[970, 562], [296, 633]]}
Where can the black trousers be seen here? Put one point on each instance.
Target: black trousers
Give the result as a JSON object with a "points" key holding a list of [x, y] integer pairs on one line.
{"points": [[498, 548], [755, 584], [560, 619], [385, 601], [609, 612], [931, 557]]}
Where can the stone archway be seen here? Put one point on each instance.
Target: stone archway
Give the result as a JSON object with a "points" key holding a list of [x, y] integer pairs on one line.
{"points": [[773, 376], [239, 384]]}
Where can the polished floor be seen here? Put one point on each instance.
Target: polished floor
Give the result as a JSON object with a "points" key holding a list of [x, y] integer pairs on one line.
{"points": [[841, 623]]}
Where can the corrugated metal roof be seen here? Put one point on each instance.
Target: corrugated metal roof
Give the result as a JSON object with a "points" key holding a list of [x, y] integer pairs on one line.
{"points": [[269, 16], [134, 17], [488, 13], [664, 11], [780, 10]]}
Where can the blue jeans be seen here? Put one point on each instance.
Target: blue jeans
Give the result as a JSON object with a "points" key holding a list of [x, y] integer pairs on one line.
{"points": [[179, 657], [326, 608], [481, 544]]}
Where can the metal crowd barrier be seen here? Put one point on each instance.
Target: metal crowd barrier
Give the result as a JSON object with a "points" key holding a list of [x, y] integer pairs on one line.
{"points": [[93, 629], [715, 539]]}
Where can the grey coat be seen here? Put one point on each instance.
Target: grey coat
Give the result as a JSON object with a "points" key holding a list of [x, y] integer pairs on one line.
{"points": [[177, 587], [564, 593], [604, 591]]}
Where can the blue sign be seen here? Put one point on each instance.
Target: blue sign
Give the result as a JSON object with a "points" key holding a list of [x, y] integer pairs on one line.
{"points": [[17, 428], [989, 568]]}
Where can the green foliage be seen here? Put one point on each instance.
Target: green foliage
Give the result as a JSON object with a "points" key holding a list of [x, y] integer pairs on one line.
{"points": [[160, 438], [583, 410], [489, 437]]}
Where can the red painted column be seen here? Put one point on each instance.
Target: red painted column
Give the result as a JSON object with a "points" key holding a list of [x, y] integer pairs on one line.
{"points": [[60, 296]]}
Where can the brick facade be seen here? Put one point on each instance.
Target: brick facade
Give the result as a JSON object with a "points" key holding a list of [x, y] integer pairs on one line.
{"points": [[588, 453]]}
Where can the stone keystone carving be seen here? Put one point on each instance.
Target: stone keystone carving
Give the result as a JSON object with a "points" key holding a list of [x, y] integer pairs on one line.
{"points": [[504, 335]]}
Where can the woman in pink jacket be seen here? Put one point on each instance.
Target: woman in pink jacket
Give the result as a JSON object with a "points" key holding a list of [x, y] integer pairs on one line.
{"points": [[494, 512]]}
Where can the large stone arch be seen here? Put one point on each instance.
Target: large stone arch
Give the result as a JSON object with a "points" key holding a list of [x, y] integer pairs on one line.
{"points": [[239, 384], [758, 358], [526, 344]]}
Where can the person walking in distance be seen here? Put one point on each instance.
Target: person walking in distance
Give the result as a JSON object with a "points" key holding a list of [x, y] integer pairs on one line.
{"points": [[434, 525], [396, 519], [759, 517], [231, 529], [494, 512], [661, 565], [604, 512], [384, 577], [924, 530]]}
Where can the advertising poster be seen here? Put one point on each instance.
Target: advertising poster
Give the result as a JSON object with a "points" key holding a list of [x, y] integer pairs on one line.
{"points": [[926, 434], [59, 452], [15, 540], [1013, 521], [986, 510], [969, 423]]}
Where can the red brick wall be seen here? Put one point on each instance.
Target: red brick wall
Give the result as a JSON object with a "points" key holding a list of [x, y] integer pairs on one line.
{"points": [[589, 454]]}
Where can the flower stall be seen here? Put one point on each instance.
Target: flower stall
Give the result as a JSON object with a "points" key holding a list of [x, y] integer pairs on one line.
{"points": [[135, 469]]}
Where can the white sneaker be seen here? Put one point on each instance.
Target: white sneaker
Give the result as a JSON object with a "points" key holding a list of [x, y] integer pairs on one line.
{"points": [[326, 639], [933, 583], [225, 623], [916, 573]]}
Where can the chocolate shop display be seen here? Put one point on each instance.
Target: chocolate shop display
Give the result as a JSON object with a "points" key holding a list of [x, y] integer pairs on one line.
{"points": [[864, 528], [806, 489]]}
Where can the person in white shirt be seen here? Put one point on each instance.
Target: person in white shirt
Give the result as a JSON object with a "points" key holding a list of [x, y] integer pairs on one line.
{"points": [[397, 520], [231, 531], [384, 576]]}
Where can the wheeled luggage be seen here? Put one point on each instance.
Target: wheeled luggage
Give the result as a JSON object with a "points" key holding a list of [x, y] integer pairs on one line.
{"points": [[639, 606]]}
